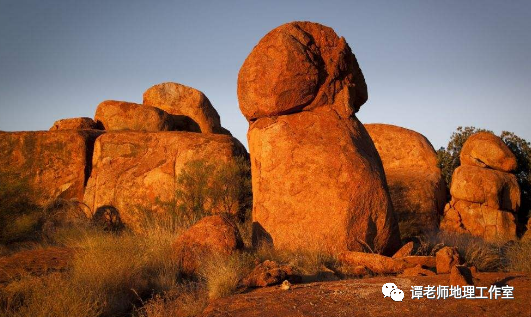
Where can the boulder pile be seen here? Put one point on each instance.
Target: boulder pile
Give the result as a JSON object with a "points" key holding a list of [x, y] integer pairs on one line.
{"points": [[318, 181], [127, 159], [485, 195]]}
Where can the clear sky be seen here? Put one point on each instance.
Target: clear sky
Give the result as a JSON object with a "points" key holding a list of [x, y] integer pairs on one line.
{"points": [[430, 65]]}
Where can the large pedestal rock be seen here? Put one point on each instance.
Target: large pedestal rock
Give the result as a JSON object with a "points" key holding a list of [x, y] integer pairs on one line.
{"points": [[485, 197], [318, 182], [136, 172], [415, 182], [48, 165]]}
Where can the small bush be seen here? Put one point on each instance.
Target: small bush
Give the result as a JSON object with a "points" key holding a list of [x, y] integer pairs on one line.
{"points": [[205, 188], [20, 217], [185, 300], [222, 274], [518, 257]]}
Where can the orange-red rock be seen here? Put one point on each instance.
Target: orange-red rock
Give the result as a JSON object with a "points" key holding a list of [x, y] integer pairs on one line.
{"points": [[416, 271], [447, 258], [486, 186], [378, 264], [300, 65], [422, 260], [461, 275], [318, 182], [120, 115], [74, 124], [210, 237], [136, 172], [49, 165], [179, 99], [495, 189], [484, 149], [415, 182], [479, 220], [405, 250]]}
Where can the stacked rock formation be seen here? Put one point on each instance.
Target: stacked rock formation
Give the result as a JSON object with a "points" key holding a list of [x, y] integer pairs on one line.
{"points": [[416, 185], [318, 182], [127, 159], [485, 195]]}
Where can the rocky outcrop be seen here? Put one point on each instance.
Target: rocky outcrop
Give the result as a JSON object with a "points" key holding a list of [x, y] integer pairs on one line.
{"points": [[182, 100], [136, 172], [82, 123], [210, 237], [485, 198], [318, 182], [484, 149], [48, 165], [416, 185], [120, 115]]}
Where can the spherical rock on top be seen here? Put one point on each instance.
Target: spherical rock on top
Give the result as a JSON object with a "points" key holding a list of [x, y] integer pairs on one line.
{"points": [[484, 149], [300, 65]]}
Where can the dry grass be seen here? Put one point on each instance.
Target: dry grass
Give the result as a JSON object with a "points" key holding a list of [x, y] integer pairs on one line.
{"points": [[518, 257], [110, 274], [222, 274], [185, 300], [486, 256], [308, 262]]}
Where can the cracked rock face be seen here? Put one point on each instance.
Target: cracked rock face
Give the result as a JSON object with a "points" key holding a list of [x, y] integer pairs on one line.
{"points": [[47, 165], [136, 172], [484, 149], [300, 65], [318, 182]]}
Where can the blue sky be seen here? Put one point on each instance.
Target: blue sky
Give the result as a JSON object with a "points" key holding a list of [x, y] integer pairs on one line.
{"points": [[430, 65]]}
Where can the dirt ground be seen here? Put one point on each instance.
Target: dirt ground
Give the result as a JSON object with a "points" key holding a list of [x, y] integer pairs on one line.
{"points": [[363, 297]]}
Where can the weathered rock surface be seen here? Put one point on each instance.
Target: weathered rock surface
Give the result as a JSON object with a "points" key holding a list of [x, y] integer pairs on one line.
{"points": [[497, 190], [405, 250], [300, 65], [461, 275], [120, 115], [182, 100], [447, 258], [136, 172], [318, 182], [484, 149], [415, 182], [416, 271], [479, 220], [210, 237], [270, 273], [83, 123], [48, 165], [422, 260]]}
